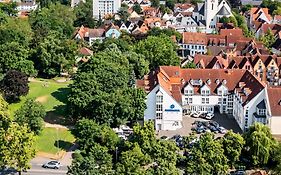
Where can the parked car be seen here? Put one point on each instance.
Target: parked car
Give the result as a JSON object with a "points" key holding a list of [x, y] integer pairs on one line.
{"points": [[200, 130], [195, 114], [215, 124], [213, 129], [203, 115], [222, 130], [52, 164], [209, 116]]}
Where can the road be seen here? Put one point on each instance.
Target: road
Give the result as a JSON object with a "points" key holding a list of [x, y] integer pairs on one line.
{"points": [[36, 166]]}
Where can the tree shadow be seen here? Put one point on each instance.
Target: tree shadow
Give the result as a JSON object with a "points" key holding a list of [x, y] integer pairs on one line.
{"points": [[59, 115], [64, 145], [61, 94]]}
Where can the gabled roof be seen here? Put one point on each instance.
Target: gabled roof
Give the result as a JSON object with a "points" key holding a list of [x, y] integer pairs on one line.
{"points": [[172, 79], [274, 98], [223, 11], [261, 105]]}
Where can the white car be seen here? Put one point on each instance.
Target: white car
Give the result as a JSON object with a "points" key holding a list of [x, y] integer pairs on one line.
{"points": [[52, 164], [222, 130], [195, 114], [209, 116]]}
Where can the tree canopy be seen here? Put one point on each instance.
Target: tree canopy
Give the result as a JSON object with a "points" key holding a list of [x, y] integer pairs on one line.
{"points": [[158, 50], [32, 114], [13, 85]]}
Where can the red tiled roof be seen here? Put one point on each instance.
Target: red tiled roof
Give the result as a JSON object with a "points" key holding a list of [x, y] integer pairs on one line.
{"points": [[174, 78], [85, 51], [194, 38], [274, 97]]}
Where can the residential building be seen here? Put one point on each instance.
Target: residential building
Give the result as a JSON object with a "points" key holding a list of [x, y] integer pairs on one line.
{"points": [[173, 91], [26, 6], [105, 7], [96, 35]]}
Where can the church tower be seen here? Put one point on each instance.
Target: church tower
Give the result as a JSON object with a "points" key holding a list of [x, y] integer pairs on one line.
{"points": [[211, 9]]}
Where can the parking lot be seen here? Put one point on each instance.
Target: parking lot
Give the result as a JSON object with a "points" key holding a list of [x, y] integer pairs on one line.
{"points": [[223, 120]]}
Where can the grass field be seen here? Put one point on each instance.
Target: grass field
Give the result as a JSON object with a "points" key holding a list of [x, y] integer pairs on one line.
{"points": [[49, 93], [53, 140], [52, 95]]}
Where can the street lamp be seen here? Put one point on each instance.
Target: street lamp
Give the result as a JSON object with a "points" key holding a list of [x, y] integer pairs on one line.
{"points": [[116, 149]]}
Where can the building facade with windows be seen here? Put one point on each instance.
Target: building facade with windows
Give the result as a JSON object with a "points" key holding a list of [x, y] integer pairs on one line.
{"points": [[105, 7], [173, 92]]}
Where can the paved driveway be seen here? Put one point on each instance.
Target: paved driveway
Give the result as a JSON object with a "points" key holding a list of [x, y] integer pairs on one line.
{"points": [[224, 120]]}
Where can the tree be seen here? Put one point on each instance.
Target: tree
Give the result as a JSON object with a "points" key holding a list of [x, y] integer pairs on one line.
{"points": [[31, 113], [246, 8], [159, 51], [190, 65], [224, 19], [88, 132], [268, 39], [277, 11], [132, 161], [232, 145], [271, 5], [170, 4], [258, 144], [102, 89], [96, 161], [123, 13], [5, 118], [61, 20], [9, 8], [84, 13], [13, 85], [14, 56], [16, 30], [138, 62], [155, 3], [137, 8], [54, 55], [206, 156], [17, 146], [156, 31]]}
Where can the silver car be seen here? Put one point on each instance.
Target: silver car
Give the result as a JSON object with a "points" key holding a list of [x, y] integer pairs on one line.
{"points": [[52, 164]]}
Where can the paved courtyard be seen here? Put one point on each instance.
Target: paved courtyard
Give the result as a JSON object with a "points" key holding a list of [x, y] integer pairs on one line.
{"points": [[224, 121]]}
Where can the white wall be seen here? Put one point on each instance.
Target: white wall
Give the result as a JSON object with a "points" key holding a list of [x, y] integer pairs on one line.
{"points": [[170, 116]]}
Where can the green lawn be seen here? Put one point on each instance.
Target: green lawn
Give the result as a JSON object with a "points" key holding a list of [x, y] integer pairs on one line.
{"points": [[53, 96], [48, 92], [52, 140]]}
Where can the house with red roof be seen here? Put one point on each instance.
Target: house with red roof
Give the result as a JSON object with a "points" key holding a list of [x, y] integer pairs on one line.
{"points": [[173, 92]]}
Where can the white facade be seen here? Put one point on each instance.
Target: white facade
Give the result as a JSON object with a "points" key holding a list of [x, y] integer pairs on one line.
{"points": [[192, 49], [163, 109], [103, 7]]}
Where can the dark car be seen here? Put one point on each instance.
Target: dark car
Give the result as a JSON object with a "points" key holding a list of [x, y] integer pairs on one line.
{"points": [[213, 129], [214, 123]]}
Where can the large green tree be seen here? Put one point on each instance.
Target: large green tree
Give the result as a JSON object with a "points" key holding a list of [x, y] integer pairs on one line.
{"points": [[84, 15], [258, 144], [17, 145], [206, 156], [268, 39], [158, 50], [103, 89], [31, 113], [232, 144], [60, 20], [96, 161], [14, 56], [54, 55]]}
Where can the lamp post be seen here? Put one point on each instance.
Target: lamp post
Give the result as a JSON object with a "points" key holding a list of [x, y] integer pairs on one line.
{"points": [[116, 149]]}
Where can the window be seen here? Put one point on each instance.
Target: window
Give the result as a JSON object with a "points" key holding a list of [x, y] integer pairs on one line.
{"points": [[207, 101], [159, 107], [159, 116], [224, 101], [261, 112], [203, 100], [219, 101], [219, 92], [159, 99], [212, 6]]}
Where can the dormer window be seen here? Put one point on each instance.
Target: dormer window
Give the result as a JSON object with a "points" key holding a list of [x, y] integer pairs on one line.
{"points": [[261, 112], [261, 108]]}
